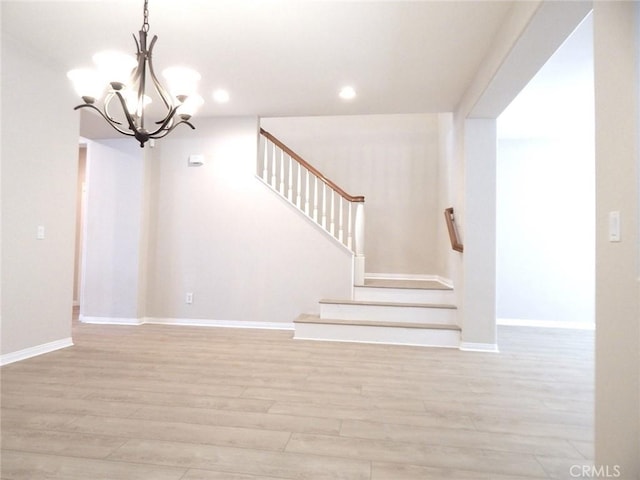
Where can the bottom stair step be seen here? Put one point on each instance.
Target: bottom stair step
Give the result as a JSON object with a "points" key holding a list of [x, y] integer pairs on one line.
{"points": [[312, 327]]}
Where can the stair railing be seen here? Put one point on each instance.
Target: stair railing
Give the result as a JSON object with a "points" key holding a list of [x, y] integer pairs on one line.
{"points": [[340, 214]]}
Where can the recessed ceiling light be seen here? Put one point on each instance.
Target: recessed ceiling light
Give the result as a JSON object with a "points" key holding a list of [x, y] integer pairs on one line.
{"points": [[221, 96], [347, 93]]}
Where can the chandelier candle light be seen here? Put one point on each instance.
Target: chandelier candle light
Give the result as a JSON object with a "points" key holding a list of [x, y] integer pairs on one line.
{"points": [[127, 78]]}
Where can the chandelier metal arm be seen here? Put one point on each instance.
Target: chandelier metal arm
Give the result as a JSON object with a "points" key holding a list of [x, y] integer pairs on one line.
{"points": [[140, 73], [167, 120], [169, 130], [130, 121], [107, 114], [139, 56], [109, 121], [159, 88]]}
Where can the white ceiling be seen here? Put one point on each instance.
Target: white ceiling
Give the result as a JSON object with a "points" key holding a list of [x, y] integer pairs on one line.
{"points": [[283, 57]]}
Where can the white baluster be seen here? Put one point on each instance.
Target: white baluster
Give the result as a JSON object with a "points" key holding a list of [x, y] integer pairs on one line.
{"points": [[290, 190], [324, 205], [306, 192], [264, 149], [281, 172], [359, 247], [299, 186], [315, 199], [273, 166], [340, 225], [332, 213], [349, 226]]}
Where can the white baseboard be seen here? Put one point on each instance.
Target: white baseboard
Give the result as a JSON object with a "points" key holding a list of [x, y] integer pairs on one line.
{"points": [[409, 276], [187, 322], [111, 320], [35, 351], [479, 347], [200, 322], [517, 322]]}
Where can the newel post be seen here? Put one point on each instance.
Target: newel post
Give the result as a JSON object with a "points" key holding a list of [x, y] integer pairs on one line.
{"points": [[358, 261]]}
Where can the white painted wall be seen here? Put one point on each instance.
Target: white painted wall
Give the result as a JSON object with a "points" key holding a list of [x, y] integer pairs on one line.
{"points": [[217, 231], [445, 256], [39, 164], [637, 20], [394, 161], [157, 229], [545, 230], [546, 192], [617, 100], [113, 229], [479, 268]]}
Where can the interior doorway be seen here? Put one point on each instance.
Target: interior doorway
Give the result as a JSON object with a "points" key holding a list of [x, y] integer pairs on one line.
{"points": [[545, 218], [81, 197]]}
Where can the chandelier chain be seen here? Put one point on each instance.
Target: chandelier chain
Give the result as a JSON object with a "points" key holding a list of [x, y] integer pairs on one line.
{"points": [[145, 24]]}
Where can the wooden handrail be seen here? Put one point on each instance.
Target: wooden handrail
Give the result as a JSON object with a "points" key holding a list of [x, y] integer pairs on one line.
{"points": [[453, 231], [311, 168]]}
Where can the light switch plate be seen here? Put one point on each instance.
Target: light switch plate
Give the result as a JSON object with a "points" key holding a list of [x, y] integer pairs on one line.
{"points": [[614, 226]]}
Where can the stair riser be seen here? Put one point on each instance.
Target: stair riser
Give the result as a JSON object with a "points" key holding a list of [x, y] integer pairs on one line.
{"points": [[403, 295], [385, 335], [388, 313]]}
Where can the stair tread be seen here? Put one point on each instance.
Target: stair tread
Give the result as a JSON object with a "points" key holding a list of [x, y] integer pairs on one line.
{"points": [[386, 304], [409, 284], [308, 318]]}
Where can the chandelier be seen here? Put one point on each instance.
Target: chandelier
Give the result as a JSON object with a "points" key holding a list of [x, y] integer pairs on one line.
{"points": [[126, 79]]}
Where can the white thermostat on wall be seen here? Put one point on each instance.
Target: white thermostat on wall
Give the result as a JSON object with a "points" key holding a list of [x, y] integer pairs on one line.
{"points": [[196, 160]]}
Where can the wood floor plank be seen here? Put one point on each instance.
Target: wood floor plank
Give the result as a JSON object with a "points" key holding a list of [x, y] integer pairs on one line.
{"points": [[15, 418], [538, 429], [403, 471], [180, 432], [418, 454], [34, 466], [193, 403], [252, 420], [73, 406], [557, 467], [398, 417], [193, 400], [60, 443], [467, 438], [240, 460], [334, 398], [584, 447], [195, 474]]}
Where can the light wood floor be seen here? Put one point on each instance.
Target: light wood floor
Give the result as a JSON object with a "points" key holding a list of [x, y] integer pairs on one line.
{"points": [[168, 403]]}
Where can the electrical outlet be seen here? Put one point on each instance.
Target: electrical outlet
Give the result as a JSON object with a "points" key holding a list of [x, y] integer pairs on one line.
{"points": [[189, 298]]}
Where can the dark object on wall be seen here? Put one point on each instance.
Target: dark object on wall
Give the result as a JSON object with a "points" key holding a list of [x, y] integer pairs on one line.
{"points": [[453, 231]]}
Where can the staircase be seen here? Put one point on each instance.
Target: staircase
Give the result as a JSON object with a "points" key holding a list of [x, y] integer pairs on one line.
{"points": [[389, 311]]}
